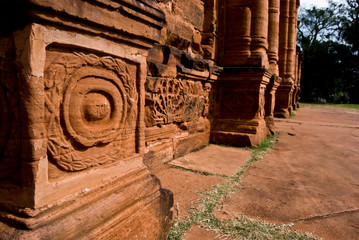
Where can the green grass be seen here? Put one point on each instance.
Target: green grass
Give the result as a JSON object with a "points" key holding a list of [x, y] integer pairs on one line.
{"points": [[242, 227], [351, 106], [200, 172]]}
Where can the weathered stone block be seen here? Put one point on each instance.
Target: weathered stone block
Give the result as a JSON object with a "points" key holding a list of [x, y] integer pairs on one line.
{"points": [[79, 89], [239, 112]]}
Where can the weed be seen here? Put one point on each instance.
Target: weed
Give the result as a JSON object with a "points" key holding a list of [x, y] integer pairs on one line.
{"points": [[330, 105], [200, 172], [202, 213]]}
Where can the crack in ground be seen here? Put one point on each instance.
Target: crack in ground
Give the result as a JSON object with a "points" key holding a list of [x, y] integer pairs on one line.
{"points": [[326, 215]]}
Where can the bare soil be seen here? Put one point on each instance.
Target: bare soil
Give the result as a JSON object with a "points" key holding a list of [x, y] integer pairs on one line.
{"points": [[308, 181]]}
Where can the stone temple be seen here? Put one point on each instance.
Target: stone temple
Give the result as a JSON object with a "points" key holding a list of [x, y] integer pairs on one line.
{"points": [[94, 94]]}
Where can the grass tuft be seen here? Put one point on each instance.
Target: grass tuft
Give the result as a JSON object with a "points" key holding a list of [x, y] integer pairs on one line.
{"points": [[241, 228], [331, 105]]}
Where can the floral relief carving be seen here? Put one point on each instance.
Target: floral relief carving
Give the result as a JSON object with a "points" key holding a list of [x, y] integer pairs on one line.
{"points": [[173, 100], [91, 108]]}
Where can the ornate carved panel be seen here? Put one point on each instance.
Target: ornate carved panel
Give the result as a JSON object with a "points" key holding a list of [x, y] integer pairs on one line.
{"points": [[91, 109], [170, 100]]}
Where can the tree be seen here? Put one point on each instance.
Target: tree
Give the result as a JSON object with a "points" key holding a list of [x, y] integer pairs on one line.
{"points": [[315, 24], [330, 42], [350, 24]]}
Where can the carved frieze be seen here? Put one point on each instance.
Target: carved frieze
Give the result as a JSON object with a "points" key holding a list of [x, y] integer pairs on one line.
{"points": [[91, 109], [171, 100]]}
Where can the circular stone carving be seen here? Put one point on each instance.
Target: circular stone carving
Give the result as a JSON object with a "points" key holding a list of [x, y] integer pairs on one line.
{"points": [[95, 106]]}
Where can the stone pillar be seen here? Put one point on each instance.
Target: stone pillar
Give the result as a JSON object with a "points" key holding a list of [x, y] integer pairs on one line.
{"points": [[270, 102], [72, 113], [288, 32], [209, 34], [239, 111], [239, 116], [234, 47], [296, 93], [283, 36], [273, 36], [259, 32], [273, 51]]}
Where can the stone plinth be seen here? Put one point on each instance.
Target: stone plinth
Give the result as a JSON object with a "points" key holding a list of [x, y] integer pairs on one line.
{"points": [[239, 109], [283, 105], [270, 102], [72, 156]]}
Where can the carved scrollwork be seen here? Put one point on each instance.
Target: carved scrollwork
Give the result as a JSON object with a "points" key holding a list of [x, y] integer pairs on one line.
{"points": [[91, 102], [176, 101]]}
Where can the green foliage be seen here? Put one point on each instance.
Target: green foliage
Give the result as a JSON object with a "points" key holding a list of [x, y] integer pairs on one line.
{"points": [[341, 97], [350, 24], [329, 39]]}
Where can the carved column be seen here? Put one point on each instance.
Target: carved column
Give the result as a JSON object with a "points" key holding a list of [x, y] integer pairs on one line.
{"points": [[273, 36], [234, 33], [273, 51], [288, 32], [240, 89], [270, 102], [209, 34], [72, 122], [259, 32], [283, 36], [298, 71]]}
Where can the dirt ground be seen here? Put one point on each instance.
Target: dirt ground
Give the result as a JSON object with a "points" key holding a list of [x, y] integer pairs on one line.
{"points": [[309, 180]]}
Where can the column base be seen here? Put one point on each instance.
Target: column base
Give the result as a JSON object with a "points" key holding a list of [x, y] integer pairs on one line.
{"points": [[239, 114], [283, 112], [270, 125], [239, 132], [135, 207], [283, 105], [270, 94]]}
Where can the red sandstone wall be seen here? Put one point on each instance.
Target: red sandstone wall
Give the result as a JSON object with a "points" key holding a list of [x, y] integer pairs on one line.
{"points": [[179, 81]]}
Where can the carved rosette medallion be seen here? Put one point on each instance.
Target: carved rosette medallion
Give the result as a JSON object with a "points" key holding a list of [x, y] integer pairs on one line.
{"points": [[91, 110], [94, 108]]}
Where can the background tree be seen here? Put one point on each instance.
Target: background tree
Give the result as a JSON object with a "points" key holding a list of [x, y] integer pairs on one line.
{"points": [[330, 42]]}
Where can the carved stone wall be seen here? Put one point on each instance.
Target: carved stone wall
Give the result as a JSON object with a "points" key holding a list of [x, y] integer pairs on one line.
{"points": [[171, 100], [94, 94], [177, 104], [72, 101], [180, 75], [91, 109]]}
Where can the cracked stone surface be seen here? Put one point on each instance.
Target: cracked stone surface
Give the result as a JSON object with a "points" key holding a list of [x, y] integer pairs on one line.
{"points": [[309, 180], [214, 159], [186, 187]]}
